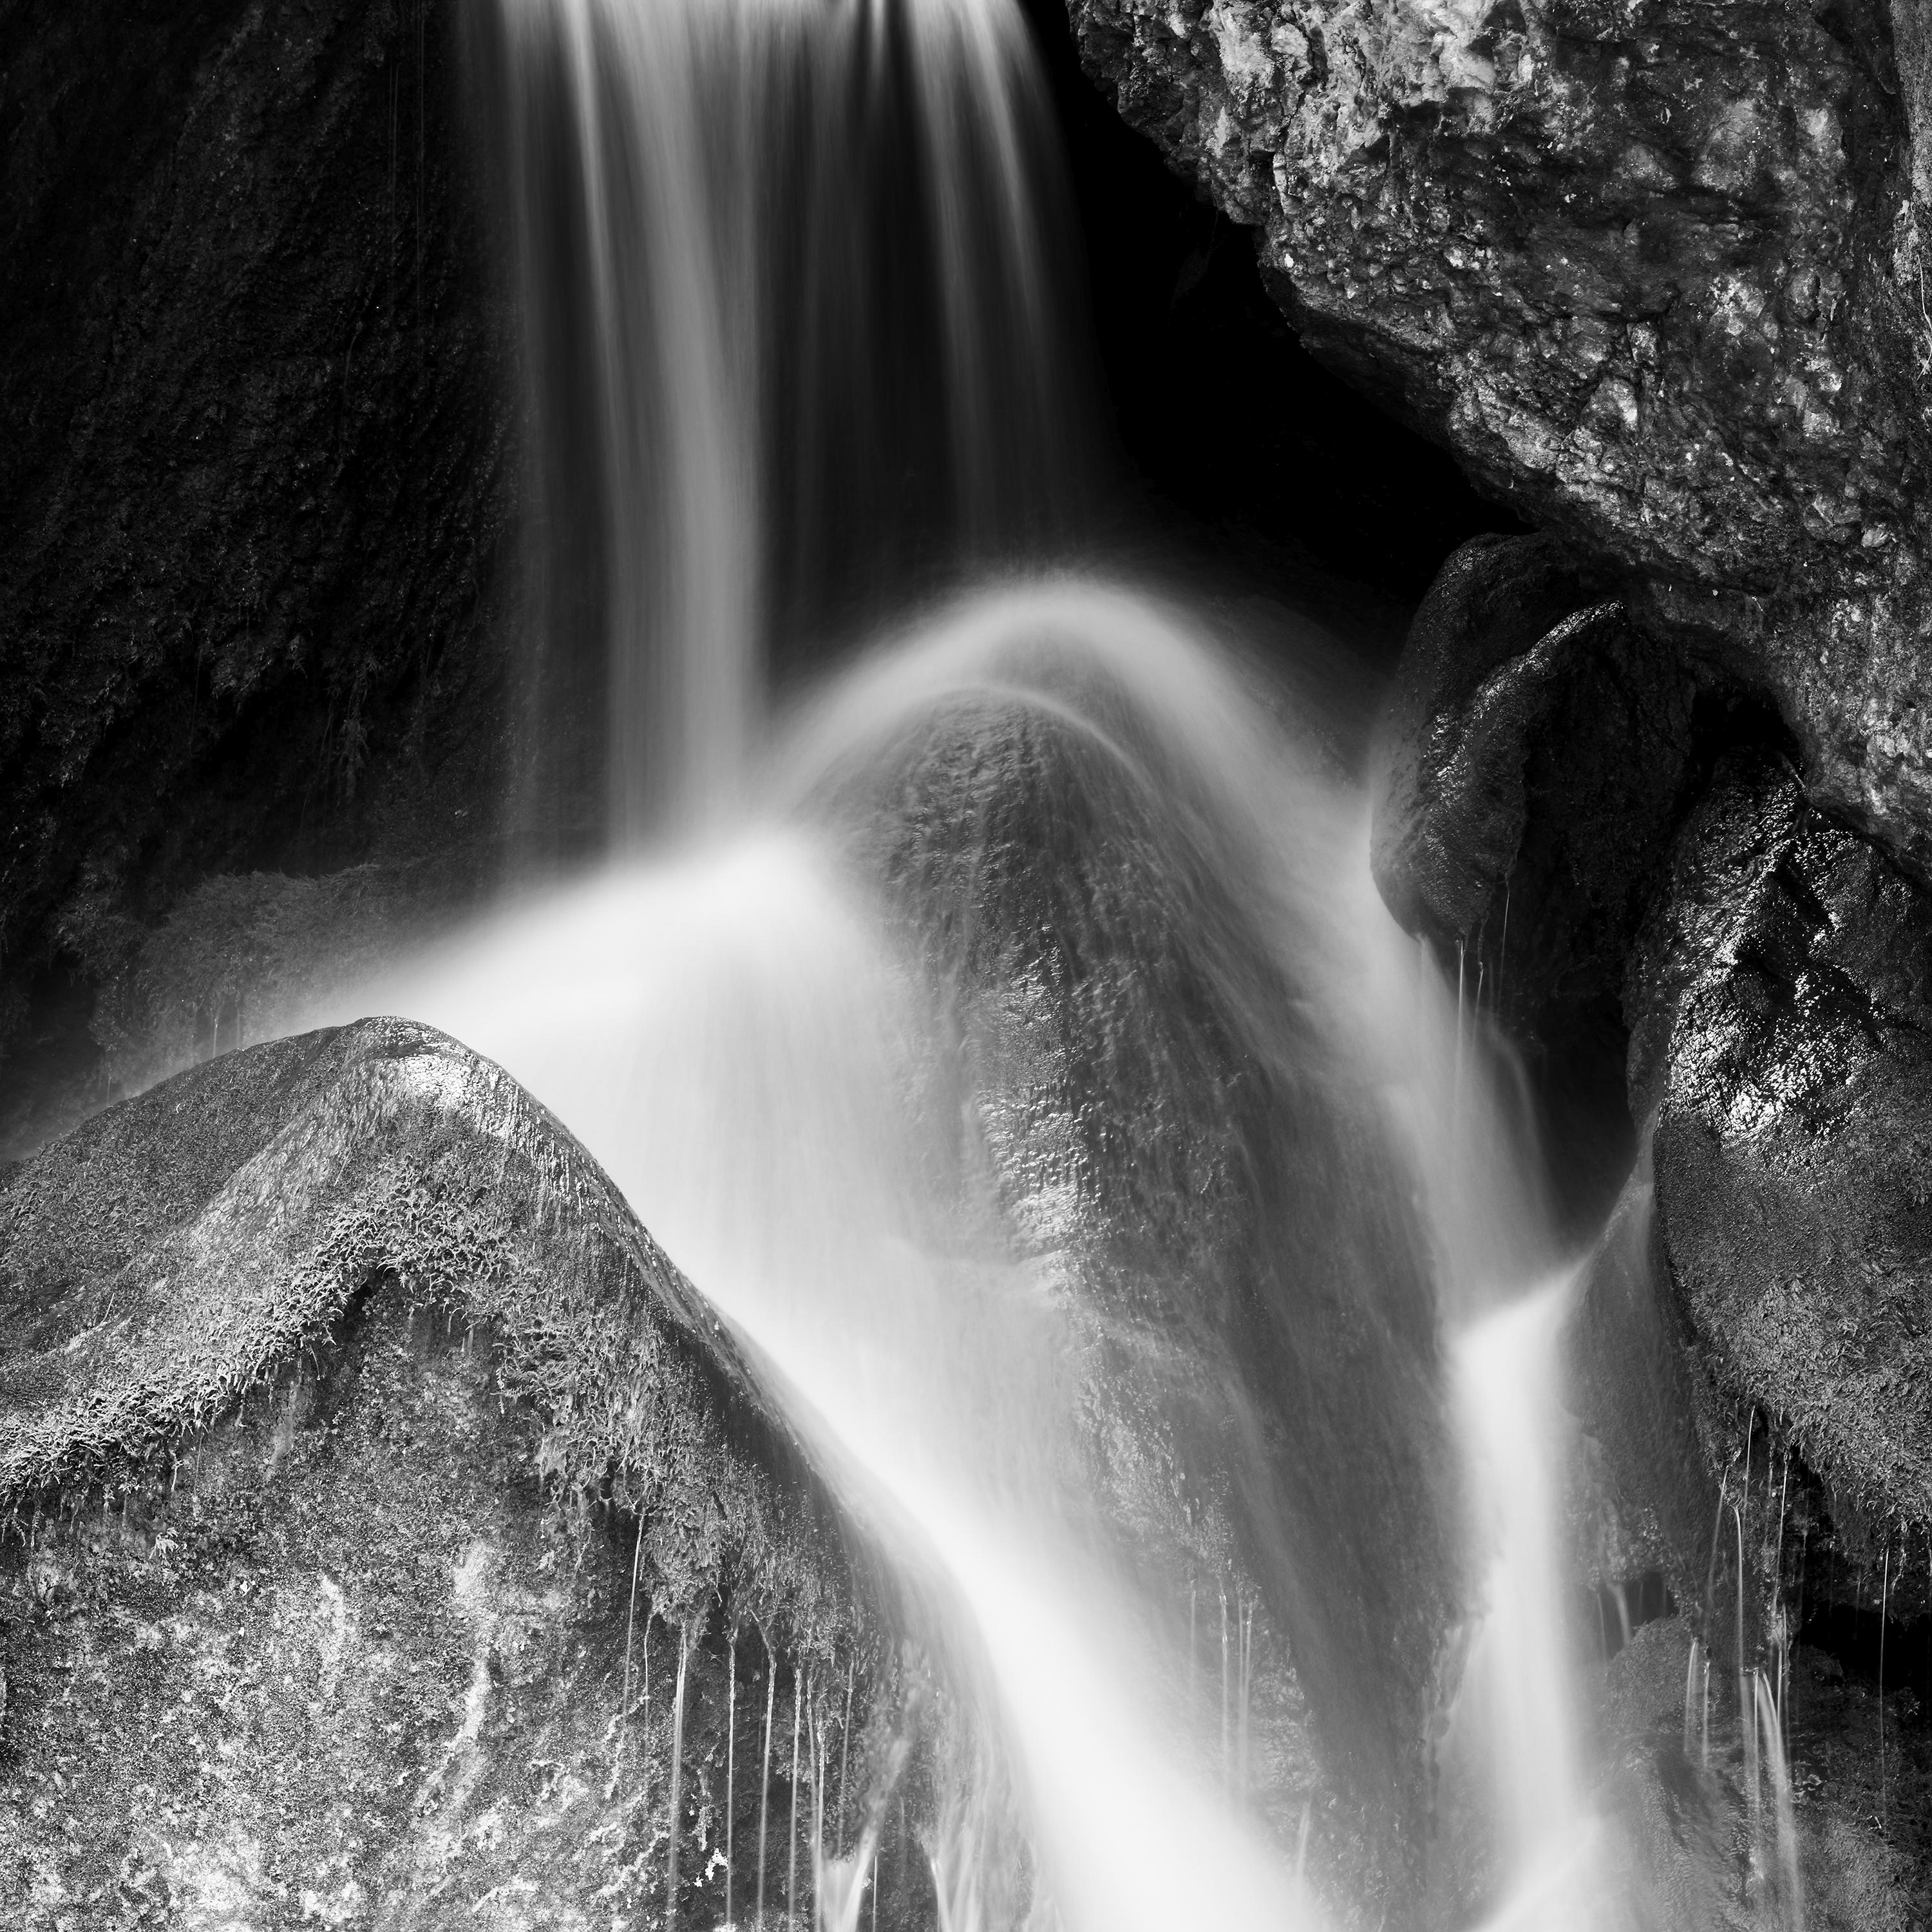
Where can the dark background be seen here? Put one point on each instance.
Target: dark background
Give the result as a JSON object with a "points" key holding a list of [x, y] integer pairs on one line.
{"points": [[1237, 437]]}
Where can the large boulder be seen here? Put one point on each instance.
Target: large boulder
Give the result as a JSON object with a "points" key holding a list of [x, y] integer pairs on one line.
{"points": [[1144, 1003], [393, 1535], [1536, 761], [1538, 751], [1781, 998], [1655, 274]]}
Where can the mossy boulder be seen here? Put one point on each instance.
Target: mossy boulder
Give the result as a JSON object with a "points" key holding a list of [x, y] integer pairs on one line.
{"points": [[394, 1537]]}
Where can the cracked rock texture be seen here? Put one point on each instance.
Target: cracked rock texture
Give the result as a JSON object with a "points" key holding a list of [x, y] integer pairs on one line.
{"points": [[1781, 995], [1654, 269], [391, 1537]]}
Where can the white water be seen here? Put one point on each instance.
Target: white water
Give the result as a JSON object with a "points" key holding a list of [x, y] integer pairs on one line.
{"points": [[716, 201], [735, 1039], [1520, 1718], [736, 1036], [794, 341]]}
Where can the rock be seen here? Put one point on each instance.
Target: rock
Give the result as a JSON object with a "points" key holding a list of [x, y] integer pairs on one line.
{"points": [[1449, 805], [1644, 1496], [1205, 1179], [1536, 759], [1704, 1854], [257, 474], [1781, 996], [244, 958], [1537, 751], [1653, 273], [1678, 1823], [394, 1537]]}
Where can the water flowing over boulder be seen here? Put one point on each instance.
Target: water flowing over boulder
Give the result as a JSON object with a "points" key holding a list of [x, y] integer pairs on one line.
{"points": [[1144, 1004], [393, 1536], [1655, 274]]}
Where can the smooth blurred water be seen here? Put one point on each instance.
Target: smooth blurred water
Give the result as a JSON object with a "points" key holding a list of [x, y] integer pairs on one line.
{"points": [[794, 284], [741, 1034], [1520, 1722], [798, 348]]}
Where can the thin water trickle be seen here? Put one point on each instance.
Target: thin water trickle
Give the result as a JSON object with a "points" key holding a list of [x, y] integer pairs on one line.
{"points": [[731, 1761], [1770, 1720], [791, 1830], [765, 1772], [1520, 1720], [674, 1803]]}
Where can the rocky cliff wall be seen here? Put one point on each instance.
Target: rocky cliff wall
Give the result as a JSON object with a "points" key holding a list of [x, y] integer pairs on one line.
{"points": [[254, 482], [1654, 269]]}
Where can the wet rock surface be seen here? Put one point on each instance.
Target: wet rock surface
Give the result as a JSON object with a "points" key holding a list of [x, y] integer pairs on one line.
{"points": [[1675, 1776], [1537, 759], [1653, 272], [1782, 999], [255, 487], [1537, 752], [1642, 1492], [1205, 1180], [392, 1538]]}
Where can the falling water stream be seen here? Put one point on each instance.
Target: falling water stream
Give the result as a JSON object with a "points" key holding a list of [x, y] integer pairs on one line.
{"points": [[793, 328], [794, 303]]}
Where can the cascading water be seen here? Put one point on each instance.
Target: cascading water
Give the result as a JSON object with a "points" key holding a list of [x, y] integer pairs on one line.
{"points": [[1519, 1715], [794, 349], [792, 282], [744, 1044], [743, 1038]]}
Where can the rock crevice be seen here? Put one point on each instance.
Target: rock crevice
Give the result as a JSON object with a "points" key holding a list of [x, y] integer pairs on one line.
{"points": [[1653, 272]]}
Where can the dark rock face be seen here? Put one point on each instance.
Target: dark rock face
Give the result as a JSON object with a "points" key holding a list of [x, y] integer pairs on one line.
{"points": [[255, 481], [1450, 806], [1538, 749], [1654, 273], [1536, 764], [393, 1536], [1781, 998]]}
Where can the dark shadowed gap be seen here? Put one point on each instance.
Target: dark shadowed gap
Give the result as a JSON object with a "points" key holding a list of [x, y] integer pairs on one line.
{"points": [[1238, 435]]}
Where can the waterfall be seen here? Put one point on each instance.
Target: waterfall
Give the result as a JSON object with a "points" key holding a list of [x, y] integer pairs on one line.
{"points": [[792, 277], [1520, 1710], [741, 1040], [971, 975], [745, 1035]]}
